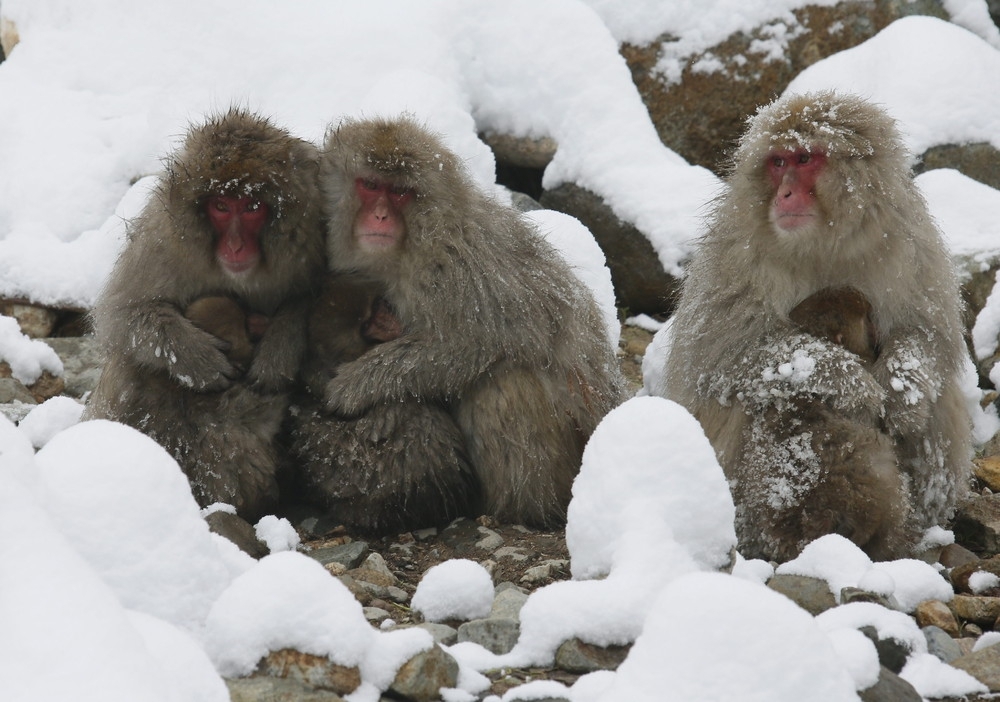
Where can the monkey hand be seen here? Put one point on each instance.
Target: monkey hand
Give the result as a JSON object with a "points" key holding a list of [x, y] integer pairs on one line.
{"points": [[912, 384], [341, 403], [801, 366], [202, 365]]}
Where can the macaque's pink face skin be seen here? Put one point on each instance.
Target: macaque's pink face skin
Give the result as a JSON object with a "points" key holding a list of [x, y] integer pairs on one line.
{"points": [[380, 225], [793, 177], [237, 222]]}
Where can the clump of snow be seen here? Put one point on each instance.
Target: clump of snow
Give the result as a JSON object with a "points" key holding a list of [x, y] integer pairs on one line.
{"points": [[981, 581], [50, 418], [841, 564], [286, 600], [456, 589], [27, 358], [952, 63], [578, 246], [681, 644], [989, 638], [932, 678], [277, 533], [655, 360], [966, 211], [672, 475], [125, 506]]}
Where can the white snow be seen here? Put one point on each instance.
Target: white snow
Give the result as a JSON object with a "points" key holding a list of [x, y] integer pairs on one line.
{"points": [[108, 573], [456, 589]]}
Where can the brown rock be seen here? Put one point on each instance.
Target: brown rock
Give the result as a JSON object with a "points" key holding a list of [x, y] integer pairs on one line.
{"points": [[36, 322], [936, 613], [980, 161], [987, 469], [954, 555], [980, 610], [811, 594], [239, 531], [702, 116], [13, 390], [315, 671], [46, 386], [421, 677], [977, 524], [576, 656], [983, 665], [521, 151], [960, 574], [9, 36], [276, 690], [640, 282]]}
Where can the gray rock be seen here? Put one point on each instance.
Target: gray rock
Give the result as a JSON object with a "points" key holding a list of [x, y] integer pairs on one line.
{"points": [[239, 531], [377, 563], [890, 688], [980, 161], [575, 656], [350, 555], [546, 570], [940, 644], [892, 654], [82, 362], [13, 390], [853, 594], [421, 677], [263, 689], [495, 635], [507, 604], [491, 540], [811, 594], [442, 633], [16, 411], [983, 665], [375, 615]]}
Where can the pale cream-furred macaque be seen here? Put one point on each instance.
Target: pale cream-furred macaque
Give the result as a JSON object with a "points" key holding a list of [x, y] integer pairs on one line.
{"points": [[815, 438]]}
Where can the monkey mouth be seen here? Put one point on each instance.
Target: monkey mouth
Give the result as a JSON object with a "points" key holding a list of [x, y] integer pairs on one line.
{"points": [[239, 267], [378, 241]]}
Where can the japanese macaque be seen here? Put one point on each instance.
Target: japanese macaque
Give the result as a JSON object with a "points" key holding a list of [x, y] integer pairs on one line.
{"points": [[499, 339], [235, 214], [840, 315], [400, 465], [812, 437]]}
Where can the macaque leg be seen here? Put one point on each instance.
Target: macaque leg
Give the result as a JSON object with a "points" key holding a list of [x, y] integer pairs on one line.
{"points": [[817, 475], [525, 446], [398, 467]]}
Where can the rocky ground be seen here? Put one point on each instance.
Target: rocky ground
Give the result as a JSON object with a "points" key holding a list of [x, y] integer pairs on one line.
{"points": [[384, 573]]}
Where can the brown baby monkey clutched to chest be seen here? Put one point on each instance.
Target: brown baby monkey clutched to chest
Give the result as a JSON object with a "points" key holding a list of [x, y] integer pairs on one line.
{"points": [[818, 338], [503, 359], [234, 222]]}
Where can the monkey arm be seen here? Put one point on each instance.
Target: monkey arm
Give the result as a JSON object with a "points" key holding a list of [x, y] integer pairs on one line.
{"points": [[799, 366], [281, 350], [159, 337], [910, 370], [416, 365]]}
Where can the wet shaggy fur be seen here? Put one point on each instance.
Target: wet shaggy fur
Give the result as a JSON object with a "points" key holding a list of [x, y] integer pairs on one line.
{"points": [[172, 379], [500, 339], [812, 438]]}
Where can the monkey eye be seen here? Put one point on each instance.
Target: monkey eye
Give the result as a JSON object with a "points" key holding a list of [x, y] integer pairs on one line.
{"points": [[368, 183], [219, 204], [778, 162], [805, 157]]}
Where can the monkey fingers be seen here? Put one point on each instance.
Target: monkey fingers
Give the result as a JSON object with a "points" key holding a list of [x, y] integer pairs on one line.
{"points": [[203, 366]]}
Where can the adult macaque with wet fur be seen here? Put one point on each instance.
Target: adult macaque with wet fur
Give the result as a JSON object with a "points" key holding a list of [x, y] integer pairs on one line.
{"points": [[496, 329], [840, 315], [813, 438], [235, 214]]}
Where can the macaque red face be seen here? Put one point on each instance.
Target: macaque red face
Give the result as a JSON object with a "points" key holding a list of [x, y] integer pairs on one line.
{"points": [[379, 225], [237, 222], [793, 176]]}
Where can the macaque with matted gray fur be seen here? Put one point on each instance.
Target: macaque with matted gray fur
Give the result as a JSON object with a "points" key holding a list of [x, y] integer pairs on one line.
{"points": [[813, 438], [235, 214], [496, 328]]}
